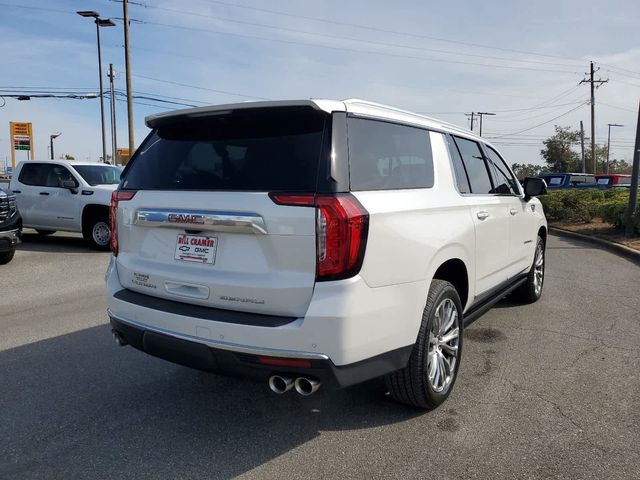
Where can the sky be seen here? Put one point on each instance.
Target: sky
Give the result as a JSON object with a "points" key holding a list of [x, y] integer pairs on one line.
{"points": [[522, 61]]}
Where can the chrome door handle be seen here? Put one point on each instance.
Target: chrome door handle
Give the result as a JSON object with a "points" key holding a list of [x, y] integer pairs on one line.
{"points": [[483, 215], [513, 211]]}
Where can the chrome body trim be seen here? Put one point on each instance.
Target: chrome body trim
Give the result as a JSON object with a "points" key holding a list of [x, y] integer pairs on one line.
{"points": [[210, 220], [233, 347]]}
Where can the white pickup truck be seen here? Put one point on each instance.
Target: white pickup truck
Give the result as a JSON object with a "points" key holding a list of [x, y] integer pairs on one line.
{"points": [[57, 195]]}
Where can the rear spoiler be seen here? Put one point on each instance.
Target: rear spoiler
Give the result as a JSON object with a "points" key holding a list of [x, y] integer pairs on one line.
{"points": [[176, 116]]}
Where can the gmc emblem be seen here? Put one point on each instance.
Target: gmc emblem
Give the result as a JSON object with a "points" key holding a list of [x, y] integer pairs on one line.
{"points": [[185, 218]]}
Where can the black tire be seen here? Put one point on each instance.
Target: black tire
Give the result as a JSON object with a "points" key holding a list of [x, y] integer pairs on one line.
{"points": [[44, 233], [529, 292], [97, 231], [412, 384], [6, 257]]}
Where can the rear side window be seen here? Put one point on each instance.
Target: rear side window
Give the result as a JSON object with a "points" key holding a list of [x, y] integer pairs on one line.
{"points": [[504, 183], [386, 156], [475, 166], [458, 167], [45, 175], [624, 181], [255, 150]]}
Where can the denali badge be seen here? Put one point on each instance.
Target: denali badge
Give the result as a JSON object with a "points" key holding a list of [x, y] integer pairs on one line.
{"points": [[185, 218]]}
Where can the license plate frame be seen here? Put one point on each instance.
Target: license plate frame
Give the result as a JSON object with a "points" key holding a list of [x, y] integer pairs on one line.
{"points": [[196, 248]]}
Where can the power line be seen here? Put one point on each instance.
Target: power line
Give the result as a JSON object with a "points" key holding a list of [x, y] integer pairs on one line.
{"points": [[352, 39], [355, 50], [383, 30], [540, 124], [225, 92]]}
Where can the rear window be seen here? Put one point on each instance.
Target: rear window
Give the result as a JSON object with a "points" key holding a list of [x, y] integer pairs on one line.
{"points": [[256, 150], [604, 180], [554, 180], [385, 156], [99, 174]]}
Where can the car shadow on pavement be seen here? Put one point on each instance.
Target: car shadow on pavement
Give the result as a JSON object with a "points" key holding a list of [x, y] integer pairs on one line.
{"points": [[33, 242], [78, 406]]}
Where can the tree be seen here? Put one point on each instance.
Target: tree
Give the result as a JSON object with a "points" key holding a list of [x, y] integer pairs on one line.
{"points": [[558, 153], [601, 158], [66, 156], [524, 170], [620, 166]]}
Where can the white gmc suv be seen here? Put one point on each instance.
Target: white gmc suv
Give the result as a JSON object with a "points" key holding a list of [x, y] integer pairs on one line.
{"points": [[65, 195], [318, 242]]}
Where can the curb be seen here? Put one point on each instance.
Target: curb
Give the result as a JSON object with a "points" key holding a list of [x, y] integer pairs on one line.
{"points": [[622, 250]]}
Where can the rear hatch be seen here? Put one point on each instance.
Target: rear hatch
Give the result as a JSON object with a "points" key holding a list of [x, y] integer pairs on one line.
{"points": [[200, 226]]}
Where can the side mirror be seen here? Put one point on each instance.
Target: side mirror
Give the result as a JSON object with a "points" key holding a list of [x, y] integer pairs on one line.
{"points": [[69, 185], [533, 187]]}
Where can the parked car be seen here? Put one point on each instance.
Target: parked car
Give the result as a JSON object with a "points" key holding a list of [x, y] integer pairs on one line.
{"points": [[318, 242], [68, 196], [613, 180], [559, 181], [10, 226]]}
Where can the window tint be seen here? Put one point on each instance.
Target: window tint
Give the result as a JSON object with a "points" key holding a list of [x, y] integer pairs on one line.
{"points": [[33, 174], [99, 174], [553, 180], [45, 175], [384, 156], [475, 165], [578, 179], [250, 150], [503, 181], [458, 167]]}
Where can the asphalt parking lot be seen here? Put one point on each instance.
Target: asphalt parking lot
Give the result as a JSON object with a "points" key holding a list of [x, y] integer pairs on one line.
{"points": [[550, 390]]}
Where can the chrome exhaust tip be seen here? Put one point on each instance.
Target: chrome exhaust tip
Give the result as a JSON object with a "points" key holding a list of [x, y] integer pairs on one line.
{"points": [[306, 386], [279, 384], [119, 339]]}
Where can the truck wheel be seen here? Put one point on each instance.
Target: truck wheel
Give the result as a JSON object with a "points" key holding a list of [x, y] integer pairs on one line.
{"points": [[5, 257], [531, 290], [45, 232], [97, 232], [429, 376]]}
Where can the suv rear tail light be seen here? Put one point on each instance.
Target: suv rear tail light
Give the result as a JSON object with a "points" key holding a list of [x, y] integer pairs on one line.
{"points": [[116, 197], [342, 224]]}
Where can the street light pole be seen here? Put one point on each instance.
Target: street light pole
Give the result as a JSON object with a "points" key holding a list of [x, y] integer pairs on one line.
{"points": [[51, 137], [100, 23], [609, 141]]}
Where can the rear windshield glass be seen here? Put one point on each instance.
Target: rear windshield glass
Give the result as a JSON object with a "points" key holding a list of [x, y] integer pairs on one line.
{"points": [[257, 150], [98, 174], [604, 180]]}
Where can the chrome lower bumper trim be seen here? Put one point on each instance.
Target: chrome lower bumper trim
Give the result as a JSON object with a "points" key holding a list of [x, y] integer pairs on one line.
{"points": [[233, 347]]}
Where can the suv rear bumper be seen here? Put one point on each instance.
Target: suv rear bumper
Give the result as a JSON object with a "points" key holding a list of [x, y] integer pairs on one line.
{"points": [[244, 361]]}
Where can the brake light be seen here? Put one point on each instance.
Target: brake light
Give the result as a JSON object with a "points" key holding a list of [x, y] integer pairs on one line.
{"points": [[116, 197], [342, 224]]}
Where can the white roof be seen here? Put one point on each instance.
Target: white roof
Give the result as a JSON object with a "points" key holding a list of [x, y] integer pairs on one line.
{"points": [[357, 106]]}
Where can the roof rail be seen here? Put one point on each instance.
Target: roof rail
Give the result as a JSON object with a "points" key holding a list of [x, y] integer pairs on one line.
{"points": [[399, 110]]}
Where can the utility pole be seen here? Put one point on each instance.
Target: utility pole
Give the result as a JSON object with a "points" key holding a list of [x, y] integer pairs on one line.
{"points": [[635, 173], [592, 83], [51, 137], [472, 116], [482, 114], [114, 140], [127, 64], [609, 141], [584, 165]]}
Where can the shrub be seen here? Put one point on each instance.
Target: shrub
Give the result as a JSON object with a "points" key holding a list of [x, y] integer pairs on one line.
{"points": [[573, 206], [581, 206]]}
